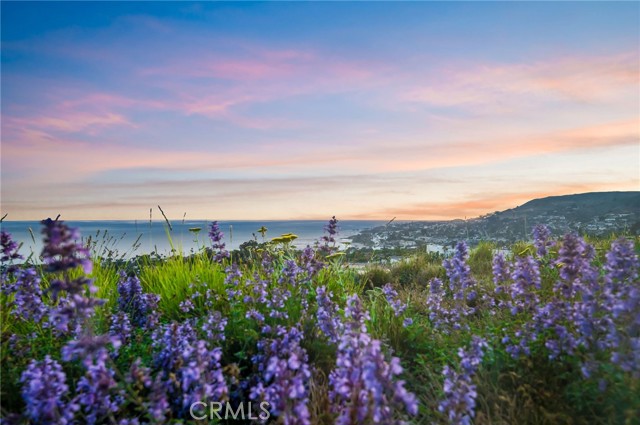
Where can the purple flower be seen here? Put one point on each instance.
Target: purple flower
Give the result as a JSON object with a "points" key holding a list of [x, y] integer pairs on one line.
{"points": [[460, 394], [91, 350], [71, 312], [574, 261], [142, 308], [44, 391], [8, 247], [363, 386], [276, 302], [201, 376], [622, 264], [309, 262], [329, 239], [157, 403], [255, 315], [285, 379], [622, 303], [96, 393], [61, 250], [541, 240], [526, 278], [290, 273], [186, 306], [458, 270], [120, 327], [258, 289], [216, 236], [189, 370], [232, 279], [327, 315], [501, 271], [392, 298], [130, 298], [214, 326], [446, 312], [27, 302]]}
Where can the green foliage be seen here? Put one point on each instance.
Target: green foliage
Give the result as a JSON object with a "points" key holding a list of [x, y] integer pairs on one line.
{"points": [[480, 260], [172, 280], [531, 390], [417, 271], [376, 276]]}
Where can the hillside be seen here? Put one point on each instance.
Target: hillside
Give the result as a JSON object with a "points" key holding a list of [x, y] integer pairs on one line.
{"points": [[596, 213]]}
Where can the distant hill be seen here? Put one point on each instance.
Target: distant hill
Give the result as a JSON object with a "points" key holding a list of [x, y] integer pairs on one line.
{"points": [[583, 206], [596, 213]]}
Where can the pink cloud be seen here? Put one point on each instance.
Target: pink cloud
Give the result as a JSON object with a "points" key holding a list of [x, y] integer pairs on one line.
{"points": [[72, 122], [479, 204], [66, 160], [578, 79]]}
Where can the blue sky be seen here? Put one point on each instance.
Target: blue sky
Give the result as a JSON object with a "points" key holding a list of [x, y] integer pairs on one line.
{"points": [[306, 110]]}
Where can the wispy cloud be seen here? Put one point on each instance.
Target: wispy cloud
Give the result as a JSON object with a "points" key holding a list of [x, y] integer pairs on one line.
{"points": [[501, 86], [479, 204]]}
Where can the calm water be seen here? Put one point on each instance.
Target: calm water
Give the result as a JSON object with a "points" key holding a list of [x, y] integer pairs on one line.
{"points": [[121, 236]]}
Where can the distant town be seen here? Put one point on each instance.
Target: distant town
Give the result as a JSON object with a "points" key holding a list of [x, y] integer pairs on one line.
{"points": [[596, 214]]}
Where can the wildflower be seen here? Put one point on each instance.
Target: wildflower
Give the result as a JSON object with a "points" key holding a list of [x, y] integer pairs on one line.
{"points": [[142, 308], [621, 264], [120, 327], [44, 391], [392, 298], [276, 302], [309, 262], [71, 312], [290, 273], [189, 370], [501, 271], [186, 306], [574, 260], [232, 281], [255, 315], [61, 250], [458, 270], [90, 349], [284, 384], [216, 236], [157, 403], [328, 320], [27, 302], [622, 303], [526, 277], [201, 376], [258, 288], [329, 239], [445, 314], [460, 393], [95, 392], [363, 384], [541, 240], [214, 326], [9, 247]]}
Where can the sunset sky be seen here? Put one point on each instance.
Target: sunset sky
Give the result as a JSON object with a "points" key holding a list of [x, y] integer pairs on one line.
{"points": [[307, 110]]}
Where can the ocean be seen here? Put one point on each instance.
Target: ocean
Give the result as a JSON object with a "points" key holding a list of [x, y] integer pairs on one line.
{"points": [[121, 236]]}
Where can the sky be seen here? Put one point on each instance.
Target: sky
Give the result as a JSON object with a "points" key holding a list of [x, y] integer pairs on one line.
{"points": [[287, 110]]}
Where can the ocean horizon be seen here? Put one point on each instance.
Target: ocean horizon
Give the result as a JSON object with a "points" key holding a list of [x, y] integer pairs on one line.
{"points": [[129, 238]]}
